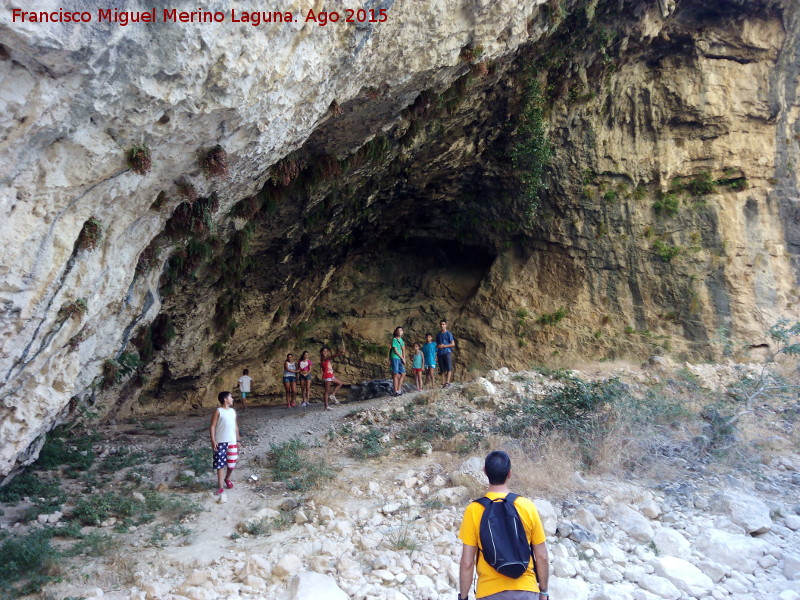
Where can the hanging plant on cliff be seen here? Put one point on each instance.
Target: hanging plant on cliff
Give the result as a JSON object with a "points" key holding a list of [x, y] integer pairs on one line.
{"points": [[139, 159], [531, 152], [90, 234], [214, 162]]}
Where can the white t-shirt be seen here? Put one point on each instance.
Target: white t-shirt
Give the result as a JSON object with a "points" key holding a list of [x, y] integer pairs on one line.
{"points": [[226, 426], [244, 383]]}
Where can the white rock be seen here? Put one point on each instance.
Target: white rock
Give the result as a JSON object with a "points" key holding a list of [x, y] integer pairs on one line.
{"points": [[669, 542], [574, 589], [610, 575], [792, 522], [255, 582], [315, 586], [563, 567], [611, 592], [659, 586], [789, 595], [222, 498], [424, 585], [747, 512], [715, 571], [631, 522], [383, 575], [451, 495], [343, 528], [737, 551], [488, 386], [197, 578], [325, 514], [287, 565], [548, 515], [791, 566], [649, 509], [684, 575]]}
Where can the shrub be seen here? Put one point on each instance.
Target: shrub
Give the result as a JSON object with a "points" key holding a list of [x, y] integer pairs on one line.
{"points": [[148, 259], [610, 196], [72, 310], [139, 159], [115, 370], [552, 318], [76, 454], [667, 205], [188, 192], [193, 218], [214, 162], [702, 185], [90, 235], [298, 472], [27, 557], [34, 486], [285, 171], [665, 251], [368, 445]]}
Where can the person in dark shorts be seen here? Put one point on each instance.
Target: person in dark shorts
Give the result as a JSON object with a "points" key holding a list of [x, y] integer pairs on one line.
{"points": [[290, 380], [397, 355], [445, 342]]}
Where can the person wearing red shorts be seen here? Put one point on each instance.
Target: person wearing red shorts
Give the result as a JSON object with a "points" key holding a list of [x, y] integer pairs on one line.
{"points": [[328, 377], [224, 440]]}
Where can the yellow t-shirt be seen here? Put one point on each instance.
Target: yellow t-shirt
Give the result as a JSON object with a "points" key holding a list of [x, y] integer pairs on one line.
{"points": [[490, 581]]}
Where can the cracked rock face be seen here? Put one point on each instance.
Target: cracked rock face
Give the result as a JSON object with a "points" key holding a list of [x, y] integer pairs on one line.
{"points": [[392, 206]]}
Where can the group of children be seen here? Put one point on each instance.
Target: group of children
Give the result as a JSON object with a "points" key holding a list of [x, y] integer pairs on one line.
{"points": [[423, 360], [224, 425]]}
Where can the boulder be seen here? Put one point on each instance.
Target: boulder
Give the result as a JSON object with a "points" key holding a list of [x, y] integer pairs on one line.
{"points": [[669, 542], [548, 515], [287, 566], [748, 512], [451, 495], [632, 523], [737, 551], [684, 575], [574, 589], [791, 566], [470, 473], [663, 588], [315, 586]]}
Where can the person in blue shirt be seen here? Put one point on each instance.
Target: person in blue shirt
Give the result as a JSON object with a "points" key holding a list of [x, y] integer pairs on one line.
{"points": [[445, 342], [429, 353], [417, 366]]}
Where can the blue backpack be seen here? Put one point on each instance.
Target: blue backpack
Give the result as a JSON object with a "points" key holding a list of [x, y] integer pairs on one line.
{"points": [[504, 542]]}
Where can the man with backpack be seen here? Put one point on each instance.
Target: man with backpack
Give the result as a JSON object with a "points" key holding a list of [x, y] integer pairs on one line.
{"points": [[504, 533]]}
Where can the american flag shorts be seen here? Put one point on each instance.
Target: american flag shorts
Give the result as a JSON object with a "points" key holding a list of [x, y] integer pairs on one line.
{"points": [[225, 455]]}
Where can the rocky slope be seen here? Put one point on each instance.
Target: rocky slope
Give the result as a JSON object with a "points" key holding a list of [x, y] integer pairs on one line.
{"points": [[369, 183], [385, 528]]}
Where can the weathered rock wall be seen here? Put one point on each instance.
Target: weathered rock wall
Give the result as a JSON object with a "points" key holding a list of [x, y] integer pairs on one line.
{"points": [[76, 97]]}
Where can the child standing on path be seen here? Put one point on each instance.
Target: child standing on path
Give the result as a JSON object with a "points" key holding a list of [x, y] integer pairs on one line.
{"points": [[289, 380], [305, 378], [417, 365], [398, 359], [224, 440], [328, 377], [244, 386], [445, 342], [429, 351]]}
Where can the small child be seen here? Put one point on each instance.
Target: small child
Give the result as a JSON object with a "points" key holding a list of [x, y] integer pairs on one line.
{"points": [[290, 380], [429, 351], [325, 357], [244, 386], [224, 440], [417, 366], [305, 377]]}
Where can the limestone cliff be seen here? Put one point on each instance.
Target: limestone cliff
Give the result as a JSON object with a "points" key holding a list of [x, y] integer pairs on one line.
{"points": [[363, 179]]}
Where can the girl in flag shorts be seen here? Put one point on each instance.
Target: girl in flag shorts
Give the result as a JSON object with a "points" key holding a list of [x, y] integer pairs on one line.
{"points": [[224, 440]]}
